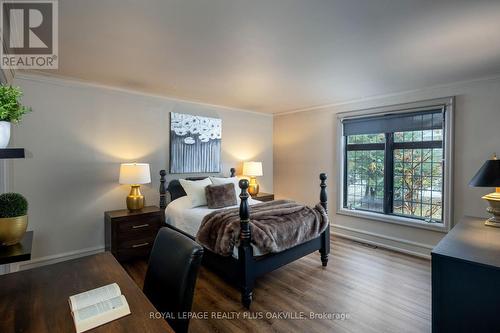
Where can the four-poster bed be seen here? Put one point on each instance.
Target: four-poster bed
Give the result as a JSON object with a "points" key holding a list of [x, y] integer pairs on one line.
{"points": [[244, 268]]}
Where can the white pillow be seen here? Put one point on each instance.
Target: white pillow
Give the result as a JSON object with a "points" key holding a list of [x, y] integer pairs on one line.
{"points": [[222, 181], [195, 190], [180, 204]]}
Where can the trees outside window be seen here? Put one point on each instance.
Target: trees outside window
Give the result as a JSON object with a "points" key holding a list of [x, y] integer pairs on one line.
{"points": [[396, 172]]}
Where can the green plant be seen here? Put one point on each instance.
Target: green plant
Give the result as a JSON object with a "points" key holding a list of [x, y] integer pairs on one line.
{"points": [[11, 109], [13, 205]]}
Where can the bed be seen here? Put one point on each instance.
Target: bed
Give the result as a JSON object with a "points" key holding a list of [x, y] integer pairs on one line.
{"points": [[246, 263]]}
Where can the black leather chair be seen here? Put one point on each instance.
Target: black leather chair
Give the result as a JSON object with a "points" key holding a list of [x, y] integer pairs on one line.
{"points": [[171, 275]]}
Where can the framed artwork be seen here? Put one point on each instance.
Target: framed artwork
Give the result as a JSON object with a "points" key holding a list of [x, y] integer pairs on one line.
{"points": [[195, 144]]}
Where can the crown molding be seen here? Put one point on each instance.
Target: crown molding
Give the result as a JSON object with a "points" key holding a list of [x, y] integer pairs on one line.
{"points": [[66, 81], [43, 77], [389, 95]]}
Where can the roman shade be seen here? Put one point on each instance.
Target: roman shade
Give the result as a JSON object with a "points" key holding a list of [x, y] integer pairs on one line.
{"points": [[401, 122]]}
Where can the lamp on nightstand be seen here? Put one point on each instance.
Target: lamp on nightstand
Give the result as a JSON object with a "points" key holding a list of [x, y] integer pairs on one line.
{"points": [[135, 174], [489, 176], [252, 169]]}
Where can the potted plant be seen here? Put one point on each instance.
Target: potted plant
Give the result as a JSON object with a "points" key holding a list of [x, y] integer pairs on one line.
{"points": [[11, 111], [13, 218]]}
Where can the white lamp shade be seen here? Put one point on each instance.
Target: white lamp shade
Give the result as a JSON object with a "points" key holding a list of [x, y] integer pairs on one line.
{"points": [[135, 173], [252, 169]]}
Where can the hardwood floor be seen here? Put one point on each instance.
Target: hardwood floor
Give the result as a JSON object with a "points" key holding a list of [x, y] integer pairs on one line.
{"points": [[379, 290]]}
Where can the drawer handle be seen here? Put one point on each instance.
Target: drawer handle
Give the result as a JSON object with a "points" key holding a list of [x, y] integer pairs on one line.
{"points": [[140, 245], [140, 226]]}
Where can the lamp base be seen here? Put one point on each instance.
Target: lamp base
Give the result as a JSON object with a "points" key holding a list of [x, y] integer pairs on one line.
{"points": [[135, 200], [492, 223], [494, 209], [253, 187]]}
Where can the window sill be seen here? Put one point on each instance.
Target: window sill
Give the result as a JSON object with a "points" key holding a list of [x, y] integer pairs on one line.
{"points": [[409, 222]]}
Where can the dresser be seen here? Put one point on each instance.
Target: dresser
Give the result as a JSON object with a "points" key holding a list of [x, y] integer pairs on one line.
{"points": [[264, 197], [466, 279], [130, 235]]}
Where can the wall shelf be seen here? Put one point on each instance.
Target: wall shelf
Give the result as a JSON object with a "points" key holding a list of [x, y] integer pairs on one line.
{"points": [[11, 153]]}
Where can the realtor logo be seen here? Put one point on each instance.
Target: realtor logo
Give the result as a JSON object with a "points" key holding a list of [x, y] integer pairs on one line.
{"points": [[29, 34]]}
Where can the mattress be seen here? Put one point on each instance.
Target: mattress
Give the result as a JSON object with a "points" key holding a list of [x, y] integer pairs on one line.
{"points": [[181, 215]]}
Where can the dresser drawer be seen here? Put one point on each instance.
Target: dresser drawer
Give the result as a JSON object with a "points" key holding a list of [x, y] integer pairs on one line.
{"points": [[137, 229], [135, 244], [146, 223], [127, 254], [135, 248]]}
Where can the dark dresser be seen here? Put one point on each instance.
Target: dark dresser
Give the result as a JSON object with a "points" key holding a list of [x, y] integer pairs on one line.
{"points": [[466, 279], [264, 197], [130, 235]]}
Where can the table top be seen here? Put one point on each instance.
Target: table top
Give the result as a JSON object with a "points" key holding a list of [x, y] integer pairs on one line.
{"points": [[36, 300], [127, 213], [470, 240], [17, 252]]}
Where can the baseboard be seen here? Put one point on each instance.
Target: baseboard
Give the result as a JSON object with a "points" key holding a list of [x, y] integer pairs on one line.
{"points": [[391, 243], [423, 250], [55, 258]]}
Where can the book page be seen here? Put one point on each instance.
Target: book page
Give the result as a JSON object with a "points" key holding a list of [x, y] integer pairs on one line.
{"points": [[100, 313], [99, 308], [94, 296]]}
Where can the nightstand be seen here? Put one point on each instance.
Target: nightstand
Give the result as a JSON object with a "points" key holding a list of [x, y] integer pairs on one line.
{"points": [[263, 197], [130, 235]]}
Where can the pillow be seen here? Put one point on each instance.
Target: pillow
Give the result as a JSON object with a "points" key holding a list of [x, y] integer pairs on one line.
{"points": [[233, 180], [195, 189], [220, 196]]}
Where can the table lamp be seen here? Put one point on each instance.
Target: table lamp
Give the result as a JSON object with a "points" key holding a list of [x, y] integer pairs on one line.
{"points": [[135, 174], [489, 176], [252, 169]]}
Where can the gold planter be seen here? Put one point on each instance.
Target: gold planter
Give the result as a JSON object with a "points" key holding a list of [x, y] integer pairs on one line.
{"points": [[12, 229]]}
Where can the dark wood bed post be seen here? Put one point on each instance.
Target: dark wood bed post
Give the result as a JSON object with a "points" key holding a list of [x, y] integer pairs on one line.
{"points": [[325, 236], [245, 250], [163, 190], [233, 172]]}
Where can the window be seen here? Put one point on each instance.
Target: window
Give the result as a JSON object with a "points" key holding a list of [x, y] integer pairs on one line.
{"points": [[394, 164]]}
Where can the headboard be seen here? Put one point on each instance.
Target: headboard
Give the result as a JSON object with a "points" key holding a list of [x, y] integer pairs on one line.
{"points": [[175, 188]]}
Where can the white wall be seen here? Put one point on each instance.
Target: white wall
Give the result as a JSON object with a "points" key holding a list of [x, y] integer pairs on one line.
{"points": [[77, 136], [305, 144]]}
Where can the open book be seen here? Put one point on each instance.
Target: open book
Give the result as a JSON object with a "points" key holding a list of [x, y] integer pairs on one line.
{"points": [[98, 306]]}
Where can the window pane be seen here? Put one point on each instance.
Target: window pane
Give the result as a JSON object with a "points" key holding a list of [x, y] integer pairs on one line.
{"points": [[417, 183], [417, 136], [366, 138], [365, 180], [437, 135]]}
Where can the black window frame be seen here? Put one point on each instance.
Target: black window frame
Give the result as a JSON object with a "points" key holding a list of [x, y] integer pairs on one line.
{"points": [[389, 146]]}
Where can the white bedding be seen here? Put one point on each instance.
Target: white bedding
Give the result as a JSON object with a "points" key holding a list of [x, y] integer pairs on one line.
{"points": [[181, 215]]}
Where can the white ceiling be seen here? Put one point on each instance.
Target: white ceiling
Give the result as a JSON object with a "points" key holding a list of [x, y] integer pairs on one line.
{"points": [[278, 55]]}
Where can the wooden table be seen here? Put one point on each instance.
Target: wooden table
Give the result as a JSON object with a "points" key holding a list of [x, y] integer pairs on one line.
{"points": [[36, 300]]}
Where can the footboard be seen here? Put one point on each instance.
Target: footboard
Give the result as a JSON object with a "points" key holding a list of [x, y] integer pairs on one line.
{"points": [[251, 267]]}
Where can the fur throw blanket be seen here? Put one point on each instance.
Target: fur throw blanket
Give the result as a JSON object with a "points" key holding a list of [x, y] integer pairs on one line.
{"points": [[275, 226]]}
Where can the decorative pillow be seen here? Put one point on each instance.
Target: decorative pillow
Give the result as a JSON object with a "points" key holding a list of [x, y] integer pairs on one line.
{"points": [[220, 196], [230, 180], [195, 190]]}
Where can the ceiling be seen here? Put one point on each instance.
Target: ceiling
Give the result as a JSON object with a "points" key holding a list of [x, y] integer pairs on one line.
{"points": [[277, 55]]}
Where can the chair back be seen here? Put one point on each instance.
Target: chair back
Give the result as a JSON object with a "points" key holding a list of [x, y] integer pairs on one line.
{"points": [[171, 275]]}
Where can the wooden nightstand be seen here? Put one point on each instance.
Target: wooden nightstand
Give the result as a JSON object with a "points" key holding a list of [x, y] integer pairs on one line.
{"points": [[130, 235], [263, 197]]}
